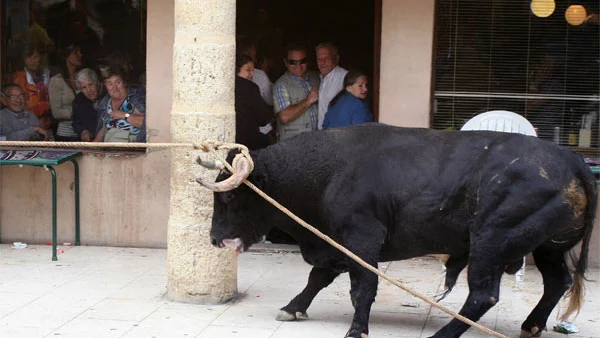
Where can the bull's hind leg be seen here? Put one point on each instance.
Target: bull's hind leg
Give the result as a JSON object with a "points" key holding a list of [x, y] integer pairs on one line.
{"points": [[318, 279], [484, 289], [556, 281]]}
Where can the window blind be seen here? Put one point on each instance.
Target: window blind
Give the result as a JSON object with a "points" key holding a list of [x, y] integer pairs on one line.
{"points": [[493, 55]]}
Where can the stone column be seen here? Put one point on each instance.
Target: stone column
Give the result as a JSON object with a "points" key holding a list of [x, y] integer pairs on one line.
{"points": [[203, 108]]}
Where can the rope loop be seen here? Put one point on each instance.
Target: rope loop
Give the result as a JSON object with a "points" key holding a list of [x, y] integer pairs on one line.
{"points": [[212, 146]]}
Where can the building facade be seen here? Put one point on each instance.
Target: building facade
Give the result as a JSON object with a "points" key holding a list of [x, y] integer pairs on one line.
{"points": [[127, 201]]}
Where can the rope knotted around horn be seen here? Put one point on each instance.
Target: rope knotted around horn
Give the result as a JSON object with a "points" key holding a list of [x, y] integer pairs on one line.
{"points": [[242, 166]]}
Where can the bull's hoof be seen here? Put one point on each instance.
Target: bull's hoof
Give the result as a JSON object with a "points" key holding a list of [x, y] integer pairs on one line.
{"points": [[352, 335], [284, 316], [535, 332]]}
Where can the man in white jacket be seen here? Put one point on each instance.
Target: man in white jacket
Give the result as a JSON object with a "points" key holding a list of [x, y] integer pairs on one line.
{"points": [[332, 76]]}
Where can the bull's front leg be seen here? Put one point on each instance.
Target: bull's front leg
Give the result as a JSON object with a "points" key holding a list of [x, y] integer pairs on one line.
{"points": [[484, 289], [365, 241], [318, 279], [363, 290]]}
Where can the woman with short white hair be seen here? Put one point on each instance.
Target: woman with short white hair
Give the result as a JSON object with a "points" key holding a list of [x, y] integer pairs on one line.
{"points": [[85, 104]]}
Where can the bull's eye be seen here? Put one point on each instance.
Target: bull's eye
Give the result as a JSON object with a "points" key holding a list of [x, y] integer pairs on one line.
{"points": [[227, 196]]}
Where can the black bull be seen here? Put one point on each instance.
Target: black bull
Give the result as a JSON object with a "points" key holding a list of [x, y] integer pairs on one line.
{"points": [[389, 193]]}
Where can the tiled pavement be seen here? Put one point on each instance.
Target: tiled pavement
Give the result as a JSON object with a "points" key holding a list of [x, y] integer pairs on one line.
{"points": [[120, 292]]}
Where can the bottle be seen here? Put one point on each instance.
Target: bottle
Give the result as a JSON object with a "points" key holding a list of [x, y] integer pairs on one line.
{"points": [[556, 138], [520, 274]]}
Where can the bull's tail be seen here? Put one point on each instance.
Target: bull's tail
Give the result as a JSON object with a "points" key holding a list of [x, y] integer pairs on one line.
{"points": [[577, 290]]}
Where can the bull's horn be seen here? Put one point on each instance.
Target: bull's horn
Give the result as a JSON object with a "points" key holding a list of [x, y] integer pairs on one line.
{"points": [[241, 170], [216, 164]]}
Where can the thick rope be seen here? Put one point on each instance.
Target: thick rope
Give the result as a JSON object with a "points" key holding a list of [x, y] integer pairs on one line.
{"points": [[213, 146], [93, 145], [350, 253]]}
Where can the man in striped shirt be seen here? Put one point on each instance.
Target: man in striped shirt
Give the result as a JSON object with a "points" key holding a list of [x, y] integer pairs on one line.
{"points": [[295, 95], [16, 123]]}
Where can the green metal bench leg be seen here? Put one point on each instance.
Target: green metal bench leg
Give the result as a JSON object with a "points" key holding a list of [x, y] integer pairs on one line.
{"points": [[51, 169], [77, 233]]}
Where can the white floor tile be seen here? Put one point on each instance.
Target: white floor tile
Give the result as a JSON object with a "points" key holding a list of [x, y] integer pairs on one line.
{"points": [[120, 292]]}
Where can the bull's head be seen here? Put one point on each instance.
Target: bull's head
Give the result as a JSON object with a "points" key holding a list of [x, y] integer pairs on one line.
{"points": [[237, 209]]}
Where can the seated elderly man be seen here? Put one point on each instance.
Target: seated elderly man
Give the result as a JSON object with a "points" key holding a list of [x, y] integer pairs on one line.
{"points": [[16, 123]]}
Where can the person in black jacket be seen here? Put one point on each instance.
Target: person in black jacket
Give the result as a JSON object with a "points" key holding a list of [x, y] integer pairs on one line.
{"points": [[85, 104], [251, 111]]}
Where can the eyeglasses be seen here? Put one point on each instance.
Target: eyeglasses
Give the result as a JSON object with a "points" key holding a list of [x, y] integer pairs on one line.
{"points": [[16, 96], [297, 62]]}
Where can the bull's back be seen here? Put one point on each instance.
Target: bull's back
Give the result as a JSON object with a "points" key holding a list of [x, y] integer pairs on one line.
{"points": [[434, 180]]}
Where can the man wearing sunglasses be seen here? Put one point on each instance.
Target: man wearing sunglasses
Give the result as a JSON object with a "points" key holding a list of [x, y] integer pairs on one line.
{"points": [[295, 95]]}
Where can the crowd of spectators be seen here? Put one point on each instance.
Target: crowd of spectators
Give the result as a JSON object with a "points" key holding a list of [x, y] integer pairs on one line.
{"points": [[74, 84], [301, 99]]}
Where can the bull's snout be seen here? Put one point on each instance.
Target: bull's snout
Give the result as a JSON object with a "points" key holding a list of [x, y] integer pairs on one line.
{"points": [[236, 244], [216, 242]]}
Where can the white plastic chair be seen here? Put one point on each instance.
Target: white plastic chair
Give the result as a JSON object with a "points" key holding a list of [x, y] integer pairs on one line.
{"points": [[508, 122], [500, 120]]}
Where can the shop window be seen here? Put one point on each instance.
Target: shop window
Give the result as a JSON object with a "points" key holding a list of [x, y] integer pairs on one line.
{"points": [[537, 58], [103, 30]]}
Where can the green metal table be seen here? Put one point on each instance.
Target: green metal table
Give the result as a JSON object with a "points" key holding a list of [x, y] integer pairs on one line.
{"points": [[596, 172], [48, 160]]}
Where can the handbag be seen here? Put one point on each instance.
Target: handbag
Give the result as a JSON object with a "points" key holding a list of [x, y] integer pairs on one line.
{"points": [[119, 135]]}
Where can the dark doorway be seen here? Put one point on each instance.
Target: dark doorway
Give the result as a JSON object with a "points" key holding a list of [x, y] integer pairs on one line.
{"points": [[351, 25]]}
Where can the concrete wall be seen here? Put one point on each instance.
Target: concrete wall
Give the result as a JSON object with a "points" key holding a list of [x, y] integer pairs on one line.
{"points": [[124, 201], [406, 60]]}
